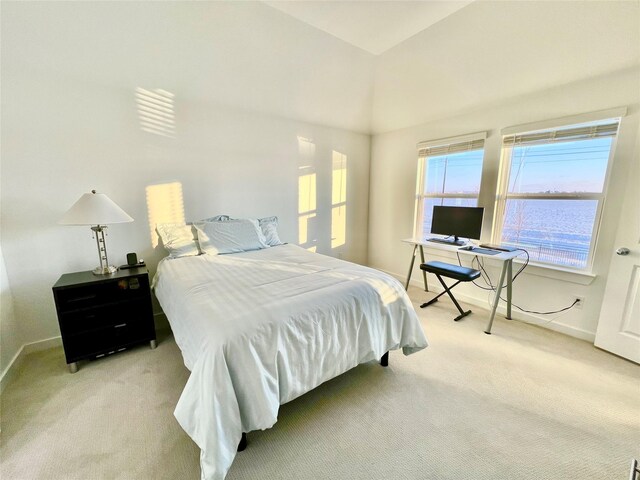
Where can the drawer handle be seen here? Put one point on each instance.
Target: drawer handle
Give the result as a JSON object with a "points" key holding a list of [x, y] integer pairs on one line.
{"points": [[121, 325], [80, 299]]}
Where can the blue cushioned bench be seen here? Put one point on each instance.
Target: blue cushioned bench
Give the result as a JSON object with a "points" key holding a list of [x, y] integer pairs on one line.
{"points": [[456, 272]]}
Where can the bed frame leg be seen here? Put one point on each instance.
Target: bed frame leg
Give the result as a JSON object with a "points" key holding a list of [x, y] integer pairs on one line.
{"points": [[243, 442], [384, 361]]}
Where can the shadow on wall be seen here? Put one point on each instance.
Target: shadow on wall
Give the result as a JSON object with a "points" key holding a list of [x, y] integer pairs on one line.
{"points": [[322, 204]]}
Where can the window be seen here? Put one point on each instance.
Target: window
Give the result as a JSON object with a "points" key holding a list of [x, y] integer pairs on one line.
{"points": [[339, 200], [552, 189], [449, 173]]}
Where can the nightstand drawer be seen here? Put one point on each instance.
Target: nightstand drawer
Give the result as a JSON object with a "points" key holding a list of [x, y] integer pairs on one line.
{"points": [[122, 289], [106, 340], [78, 321]]}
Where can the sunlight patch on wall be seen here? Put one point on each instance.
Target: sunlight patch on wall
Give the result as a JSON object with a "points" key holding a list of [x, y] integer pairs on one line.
{"points": [[338, 200], [304, 223], [306, 147], [156, 111], [307, 194], [165, 204], [306, 204]]}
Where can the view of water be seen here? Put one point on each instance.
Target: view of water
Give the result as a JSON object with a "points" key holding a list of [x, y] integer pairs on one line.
{"points": [[552, 231], [557, 231]]}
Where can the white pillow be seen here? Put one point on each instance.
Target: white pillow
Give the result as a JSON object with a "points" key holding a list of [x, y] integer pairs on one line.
{"points": [[270, 231], [178, 239], [231, 236]]}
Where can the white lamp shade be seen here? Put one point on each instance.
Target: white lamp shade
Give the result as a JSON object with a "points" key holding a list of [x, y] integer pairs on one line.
{"points": [[94, 209]]}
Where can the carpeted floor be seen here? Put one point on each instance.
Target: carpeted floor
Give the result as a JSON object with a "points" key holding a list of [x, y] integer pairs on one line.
{"points": [[524, 403]]}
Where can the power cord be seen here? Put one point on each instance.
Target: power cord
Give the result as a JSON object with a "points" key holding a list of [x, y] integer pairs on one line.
{"points": [[487, 279]]}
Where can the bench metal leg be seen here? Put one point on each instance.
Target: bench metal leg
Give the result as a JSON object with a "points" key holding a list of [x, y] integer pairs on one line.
{"points": [[384, 361], [447, 290], [462, 315], [435, 299], [243, 442]]}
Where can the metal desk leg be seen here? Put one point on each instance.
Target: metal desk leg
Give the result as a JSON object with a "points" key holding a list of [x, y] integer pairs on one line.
{"points": [[424, 274], [497, 299], [509, 286], [413, 260]]}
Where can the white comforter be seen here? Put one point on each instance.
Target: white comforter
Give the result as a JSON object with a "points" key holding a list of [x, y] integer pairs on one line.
{"points": [[258, 329]]}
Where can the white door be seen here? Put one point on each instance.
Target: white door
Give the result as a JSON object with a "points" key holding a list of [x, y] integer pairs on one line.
{"points": [[619, 324]]}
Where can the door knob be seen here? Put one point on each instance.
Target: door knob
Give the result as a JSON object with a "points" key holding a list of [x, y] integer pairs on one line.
{"points": [[623, 251]]}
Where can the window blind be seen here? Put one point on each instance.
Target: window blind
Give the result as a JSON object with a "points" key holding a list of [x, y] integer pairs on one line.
{"points": [[603, 130], [452, 145]]}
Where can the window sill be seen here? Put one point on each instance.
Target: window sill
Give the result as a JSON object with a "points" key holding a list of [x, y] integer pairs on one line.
{"points": [[555, 272]]}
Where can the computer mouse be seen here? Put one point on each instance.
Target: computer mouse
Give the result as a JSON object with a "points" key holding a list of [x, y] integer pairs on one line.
{"points": [[467, 247]]}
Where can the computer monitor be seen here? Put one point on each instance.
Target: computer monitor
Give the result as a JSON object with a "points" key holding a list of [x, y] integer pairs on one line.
{"points": [[457, 222]]}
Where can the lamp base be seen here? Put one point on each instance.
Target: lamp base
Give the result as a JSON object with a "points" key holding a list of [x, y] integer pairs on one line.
{"points": [[108, 270]]}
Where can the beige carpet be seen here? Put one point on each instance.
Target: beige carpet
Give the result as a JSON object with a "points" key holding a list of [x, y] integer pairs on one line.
{"points": [[524, 403]]}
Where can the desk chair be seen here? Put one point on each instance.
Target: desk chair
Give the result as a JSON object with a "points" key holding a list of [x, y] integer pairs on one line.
{"points": [[461, 274]]}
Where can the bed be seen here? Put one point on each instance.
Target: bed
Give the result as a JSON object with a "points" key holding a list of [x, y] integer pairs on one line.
{"points": [[258, 329]]}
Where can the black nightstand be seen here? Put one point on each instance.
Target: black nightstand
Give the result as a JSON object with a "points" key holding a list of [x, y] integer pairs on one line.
{"points": [[103, 314]]}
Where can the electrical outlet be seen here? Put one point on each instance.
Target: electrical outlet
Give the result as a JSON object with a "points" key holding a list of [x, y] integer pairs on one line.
{"points": [[580, 303]]}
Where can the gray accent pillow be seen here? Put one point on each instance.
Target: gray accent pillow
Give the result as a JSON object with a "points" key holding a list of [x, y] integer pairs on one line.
{"points": [[217, 218], [269, 225]]}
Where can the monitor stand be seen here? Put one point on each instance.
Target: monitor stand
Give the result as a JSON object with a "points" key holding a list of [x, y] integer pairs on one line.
{"points": [[456, 241]]}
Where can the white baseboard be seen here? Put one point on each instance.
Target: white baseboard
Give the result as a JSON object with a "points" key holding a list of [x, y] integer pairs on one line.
{"points": [[11, 370], [516, 314], [45, 344], [14, 365], [160, 320]]}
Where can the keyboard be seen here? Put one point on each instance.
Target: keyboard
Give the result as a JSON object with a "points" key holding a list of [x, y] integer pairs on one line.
{"points": [[485, 251], [501, 248], [445, 242]]}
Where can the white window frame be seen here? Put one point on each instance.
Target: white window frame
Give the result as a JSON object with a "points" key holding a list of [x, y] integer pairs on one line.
{"points": [[502, 194], [432, 148]]}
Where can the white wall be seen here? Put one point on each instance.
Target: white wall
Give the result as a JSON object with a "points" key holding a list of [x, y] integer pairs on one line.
{"points": [[492, 51], [10, 337], [248, 81], [393, 180]]}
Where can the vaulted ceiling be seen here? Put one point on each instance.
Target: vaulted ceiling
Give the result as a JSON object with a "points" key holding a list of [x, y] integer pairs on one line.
{"points": [[374, 26], [436, 59]]}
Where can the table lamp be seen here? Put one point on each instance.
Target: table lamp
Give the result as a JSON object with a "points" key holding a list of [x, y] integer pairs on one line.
{"points": [[96, 210]]}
